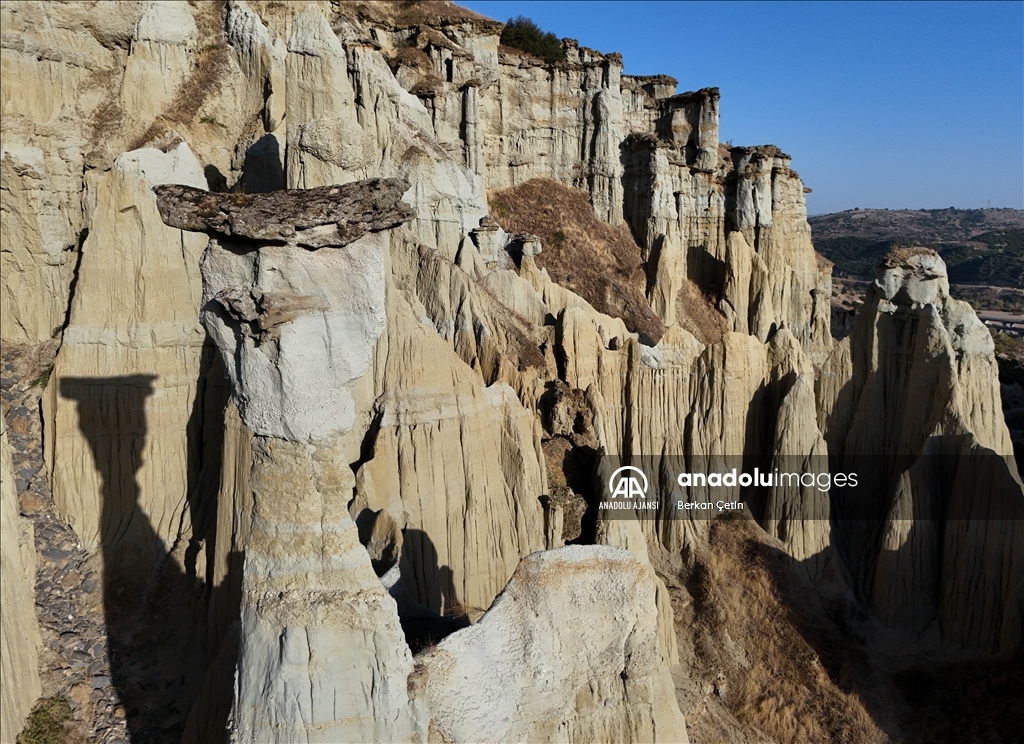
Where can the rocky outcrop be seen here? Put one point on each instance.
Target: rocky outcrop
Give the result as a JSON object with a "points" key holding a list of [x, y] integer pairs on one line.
{"points": [[569, 651], [132, 337], [426, 396], [311, 605], [289, 216], [910, 400], [19, 629], [321, 652], [651, 160], [48, 61], [287, 591]]}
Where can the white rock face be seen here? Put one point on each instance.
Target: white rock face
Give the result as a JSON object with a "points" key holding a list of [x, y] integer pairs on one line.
{"points": [[133, 337], [322, 657], [160, 58], [293, 380], [321, 653], [914, 278], [418, 362], [568, 652], [19, 629], [448, 444]]}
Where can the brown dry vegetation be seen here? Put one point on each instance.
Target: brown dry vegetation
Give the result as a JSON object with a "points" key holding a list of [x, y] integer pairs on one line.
{"points": [[427, 86], [212, 66], [213, 63], [762, 637], [413, 57], [415, 12], [695, 312], [597, 261]]}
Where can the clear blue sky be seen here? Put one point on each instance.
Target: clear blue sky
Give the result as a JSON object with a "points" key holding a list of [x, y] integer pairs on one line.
{"points": [[898, 105]]}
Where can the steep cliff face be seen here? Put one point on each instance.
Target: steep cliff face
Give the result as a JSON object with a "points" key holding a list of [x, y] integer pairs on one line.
{"points": [[425, 393], [19, 632], [649, 159], [939, 479]]}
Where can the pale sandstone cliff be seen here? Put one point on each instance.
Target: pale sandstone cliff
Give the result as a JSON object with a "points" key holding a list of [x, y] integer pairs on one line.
{"points": [[934, 533], [19, 631], [288, 321], [408, 390]]}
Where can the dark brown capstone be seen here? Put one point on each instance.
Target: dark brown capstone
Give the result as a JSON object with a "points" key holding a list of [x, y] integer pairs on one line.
{"points": [[292, 215]]}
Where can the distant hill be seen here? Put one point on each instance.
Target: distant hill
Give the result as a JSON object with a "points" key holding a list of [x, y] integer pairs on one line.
{"points": [[980, 246]]}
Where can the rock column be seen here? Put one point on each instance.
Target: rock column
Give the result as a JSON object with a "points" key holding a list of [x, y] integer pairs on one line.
{"points": [[293, 296]]}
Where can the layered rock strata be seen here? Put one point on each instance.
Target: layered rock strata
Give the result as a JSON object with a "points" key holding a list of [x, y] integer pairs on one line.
{"points": [[650, 159], [309, 595], [471, 390]]}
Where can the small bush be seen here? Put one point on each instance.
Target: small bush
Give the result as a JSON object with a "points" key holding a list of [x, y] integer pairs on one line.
{"points": [[45, 724], [44, 377], [523, 34]]}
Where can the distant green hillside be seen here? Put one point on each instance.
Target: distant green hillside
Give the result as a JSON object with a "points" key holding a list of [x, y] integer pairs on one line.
{"points": [[979, 246]]}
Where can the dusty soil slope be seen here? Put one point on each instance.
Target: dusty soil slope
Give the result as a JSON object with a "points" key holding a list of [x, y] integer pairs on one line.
{"points": [[772, 657]]}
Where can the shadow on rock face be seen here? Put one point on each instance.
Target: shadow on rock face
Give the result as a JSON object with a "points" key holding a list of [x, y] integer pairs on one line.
{"points": [[406, 562], [153, 609]]}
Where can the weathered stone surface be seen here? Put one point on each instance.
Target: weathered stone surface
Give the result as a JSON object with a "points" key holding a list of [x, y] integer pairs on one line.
{"points": [[289, 216], [132, 337], [444, 443], [568, 652], [321, 656], [399, 381], [19, 629], [911, 397], [296, 330]]}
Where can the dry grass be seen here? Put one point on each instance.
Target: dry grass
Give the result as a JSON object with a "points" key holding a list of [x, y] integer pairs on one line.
{"points": [[405, 13], [427, 86], [696, 313], [213, 63], [777, 665], [47, 723], [459, 609], [597, 261], [108, 116], [412, 57]]}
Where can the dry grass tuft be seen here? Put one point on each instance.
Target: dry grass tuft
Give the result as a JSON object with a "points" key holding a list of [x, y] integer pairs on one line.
{"points": [[696, 313], [46, 724], [427, 86], [778, 664], [459, 609], [108, 116], [597, 261], [413, 57]]}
